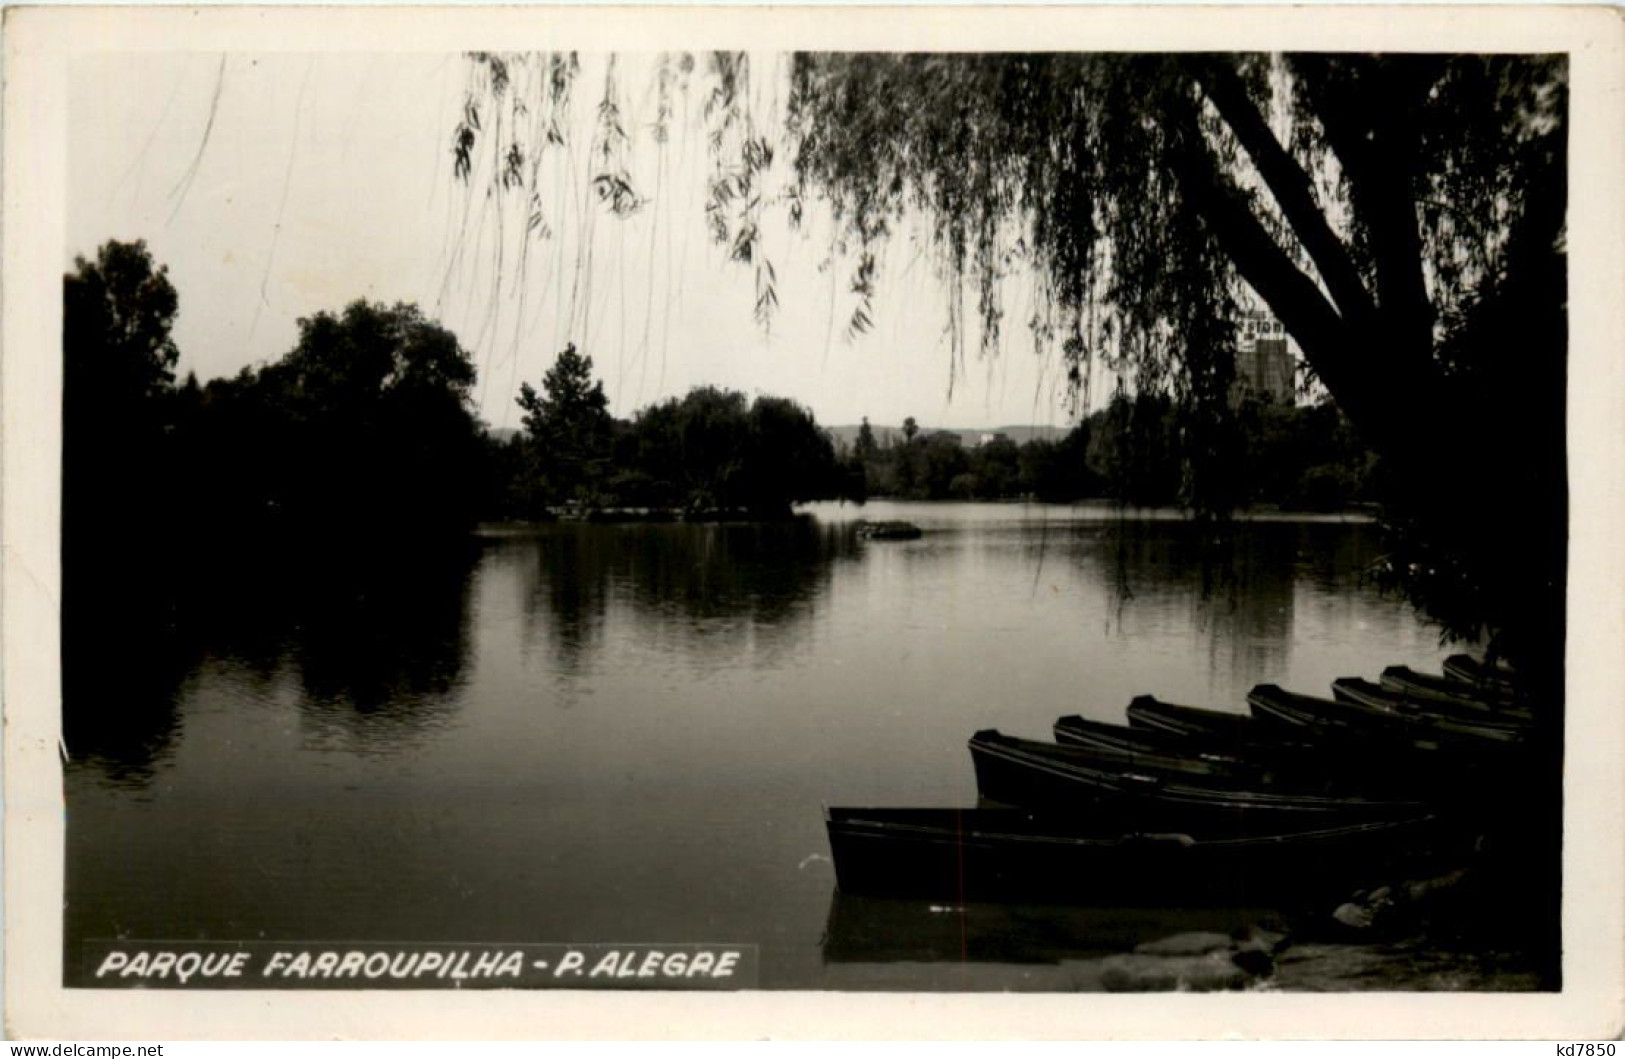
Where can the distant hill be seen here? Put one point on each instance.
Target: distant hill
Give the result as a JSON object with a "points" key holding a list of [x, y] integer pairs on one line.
{"points": [[970, 438], [849, 434]]}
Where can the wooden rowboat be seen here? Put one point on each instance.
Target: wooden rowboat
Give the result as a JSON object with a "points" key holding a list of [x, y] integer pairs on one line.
{"points": [[1002, 854], [1276, 756], [1145, 711], [1101, 735], [1465, 669], [1428, 688], [1356, 722], [1047, 777], [1506, 726]]}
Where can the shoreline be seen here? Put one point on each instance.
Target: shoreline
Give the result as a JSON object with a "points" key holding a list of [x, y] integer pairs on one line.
{"points": [[821, 510]]}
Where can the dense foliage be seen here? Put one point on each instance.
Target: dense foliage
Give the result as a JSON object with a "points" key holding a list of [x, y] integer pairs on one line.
{"points": [[118, 459], [368, 422], [1135, 451], [118, 374], [713, 450], [367, 418]]}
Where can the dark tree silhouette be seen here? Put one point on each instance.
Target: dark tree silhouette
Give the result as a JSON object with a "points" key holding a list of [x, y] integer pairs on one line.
{"points": [[714, 452], [118, 374], [118, 488], [787, 458], [569, 427], [865, 447], [366, 420]]}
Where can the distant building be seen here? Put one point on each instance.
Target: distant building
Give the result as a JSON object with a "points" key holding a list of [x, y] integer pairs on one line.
{"points": [[1264, 364], [989, 437], [946, 437]]}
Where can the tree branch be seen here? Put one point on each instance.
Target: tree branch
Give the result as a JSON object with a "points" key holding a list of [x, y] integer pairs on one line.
{"points": [[1330, 343], [1367, 119], [1396, 239], [1289, 185]]}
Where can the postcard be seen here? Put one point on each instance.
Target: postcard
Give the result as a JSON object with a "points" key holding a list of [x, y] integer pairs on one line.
{"points": [[903, 522]]}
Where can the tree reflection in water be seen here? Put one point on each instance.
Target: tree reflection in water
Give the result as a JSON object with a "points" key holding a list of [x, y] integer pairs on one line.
{"points": [[373, 635], [703, 582]]}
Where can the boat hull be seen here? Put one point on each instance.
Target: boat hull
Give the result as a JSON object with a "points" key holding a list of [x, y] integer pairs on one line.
{"points": [[1100, 735], [1191, 721], [1275, 756], [1453, 697], [1046, 777], [1469, 671], [1447, 719], [982, 854], [1356, 723]]}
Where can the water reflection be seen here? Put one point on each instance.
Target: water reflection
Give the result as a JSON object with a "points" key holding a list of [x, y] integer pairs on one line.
{"points": [[372, 637], [1230, 589], [119, 687], [123, 664], [565, 570], [373, 641], [696, 587], [380, 649]]}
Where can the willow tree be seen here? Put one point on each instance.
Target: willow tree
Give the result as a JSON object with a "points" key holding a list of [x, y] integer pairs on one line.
{"points": [[1402, 216]]}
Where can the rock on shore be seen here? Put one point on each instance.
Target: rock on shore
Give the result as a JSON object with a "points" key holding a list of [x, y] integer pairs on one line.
{"points": [[1199, 961]]}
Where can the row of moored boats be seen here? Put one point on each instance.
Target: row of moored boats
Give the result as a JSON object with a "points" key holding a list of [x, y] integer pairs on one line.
{"points": [[1301, 796]]}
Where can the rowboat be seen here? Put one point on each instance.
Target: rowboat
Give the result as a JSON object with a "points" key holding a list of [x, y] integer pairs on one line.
{"points": [[1146, 711], [1505, 726], [1001, 854], [1425, 687], [1101, 735], [1357, 721], [1273, 757], [1044, 776], [1465, 669], [1234, 732], [1174, 756]]}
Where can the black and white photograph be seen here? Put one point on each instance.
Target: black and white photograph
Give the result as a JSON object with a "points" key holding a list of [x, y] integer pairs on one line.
{"points": [[810, 502]]}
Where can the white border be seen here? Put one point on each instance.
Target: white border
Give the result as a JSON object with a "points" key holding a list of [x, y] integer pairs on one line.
{"points": [[38, 44]]}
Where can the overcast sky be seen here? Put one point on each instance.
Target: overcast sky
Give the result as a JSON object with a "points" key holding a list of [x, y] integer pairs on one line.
{"points": [[326, 178]]}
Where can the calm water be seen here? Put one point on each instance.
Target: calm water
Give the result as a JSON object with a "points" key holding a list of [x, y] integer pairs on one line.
{"points": [[627, 733]]}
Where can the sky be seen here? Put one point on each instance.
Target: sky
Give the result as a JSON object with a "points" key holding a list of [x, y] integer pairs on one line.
{"points": [[277, 186]]}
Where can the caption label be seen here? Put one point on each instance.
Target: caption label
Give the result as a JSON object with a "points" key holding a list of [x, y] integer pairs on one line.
{"points": [[374, 965]]}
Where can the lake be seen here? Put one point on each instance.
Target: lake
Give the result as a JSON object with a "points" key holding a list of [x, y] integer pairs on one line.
{"points": [[626, 733]]}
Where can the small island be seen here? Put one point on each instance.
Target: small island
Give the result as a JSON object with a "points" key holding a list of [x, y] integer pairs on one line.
{"points": [[889, 530]]}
